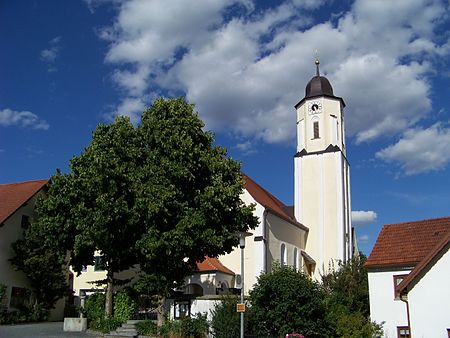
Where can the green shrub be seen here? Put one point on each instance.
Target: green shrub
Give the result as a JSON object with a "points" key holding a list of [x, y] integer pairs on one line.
{"points": [[94, 308], [125, 307], [38, 313], [225, 320], [2, 292], [285, 301], [186, 327], [104, 325], [146, 328]]}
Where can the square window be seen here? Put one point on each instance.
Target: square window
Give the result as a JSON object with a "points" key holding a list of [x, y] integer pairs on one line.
{"points": [[397, 280], [25, 223], [182, 309], [20, 297], [403, 332], [99, 264]]}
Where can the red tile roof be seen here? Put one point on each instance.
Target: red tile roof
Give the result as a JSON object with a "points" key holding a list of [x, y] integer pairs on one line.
{"points": [[406, 244], [213, 265], [424, 264], [13, 196], [270, 202]]}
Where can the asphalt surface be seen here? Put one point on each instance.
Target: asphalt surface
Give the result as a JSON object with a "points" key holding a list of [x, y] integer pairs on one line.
{"points": [[40, 330]]}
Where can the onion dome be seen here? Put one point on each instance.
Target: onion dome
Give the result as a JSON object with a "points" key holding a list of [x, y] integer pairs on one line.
{"points": [[318, 85]]}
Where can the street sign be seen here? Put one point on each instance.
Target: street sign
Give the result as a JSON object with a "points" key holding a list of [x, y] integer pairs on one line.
{"points": [[240, 307]]}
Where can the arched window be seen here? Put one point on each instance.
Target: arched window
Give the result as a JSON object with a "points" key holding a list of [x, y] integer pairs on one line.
{"points": [[283, 256], [295, 259]]}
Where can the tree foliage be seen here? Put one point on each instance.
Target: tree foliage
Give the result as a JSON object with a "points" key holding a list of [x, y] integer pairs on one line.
{"points": [[286, 301], [160, 195], [348, 285], [190, 194], [347, 299], [225, 320]]}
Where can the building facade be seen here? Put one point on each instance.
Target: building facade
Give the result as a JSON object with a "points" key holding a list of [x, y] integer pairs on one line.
{"points": [[17, 210], [408, 272]]}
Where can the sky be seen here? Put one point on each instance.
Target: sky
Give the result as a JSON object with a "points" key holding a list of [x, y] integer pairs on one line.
{"points": [[67, 66]]}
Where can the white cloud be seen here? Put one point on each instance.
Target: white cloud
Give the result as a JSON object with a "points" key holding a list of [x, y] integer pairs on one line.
{"points": [[50, 54], [246, 72], [247, 148], [10, 117], [363, 239], [361, 217], [420, 150]]}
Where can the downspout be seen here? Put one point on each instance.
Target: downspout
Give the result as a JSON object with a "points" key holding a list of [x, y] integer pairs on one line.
{"points": [[404, 299], [264, 231]]}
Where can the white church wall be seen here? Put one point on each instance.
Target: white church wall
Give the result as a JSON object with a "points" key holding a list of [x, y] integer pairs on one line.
{"points": [[281, 232], [321, 191], [253, 252]]}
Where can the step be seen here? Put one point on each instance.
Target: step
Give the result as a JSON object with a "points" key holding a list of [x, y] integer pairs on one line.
{"points": [[117, 335], [128, 326], [126, 331], [133, 321]]}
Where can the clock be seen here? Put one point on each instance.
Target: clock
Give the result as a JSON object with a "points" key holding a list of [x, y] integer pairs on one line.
{"points": [[314, 107]]}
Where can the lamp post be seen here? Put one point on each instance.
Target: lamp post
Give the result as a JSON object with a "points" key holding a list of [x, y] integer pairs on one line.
{"points": [[242, 236]]}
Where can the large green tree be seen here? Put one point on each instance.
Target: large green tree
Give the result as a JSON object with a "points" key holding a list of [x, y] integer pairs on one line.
{"points": [[160, 195], [190, 194], [286, 301]]}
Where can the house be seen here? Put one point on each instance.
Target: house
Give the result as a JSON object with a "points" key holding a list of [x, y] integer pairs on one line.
{"points": [[408, 271], [17, 209], [427, 287]]}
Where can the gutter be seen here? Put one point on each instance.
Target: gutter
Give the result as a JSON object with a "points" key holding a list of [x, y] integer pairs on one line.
{"points": [[404, 299]]}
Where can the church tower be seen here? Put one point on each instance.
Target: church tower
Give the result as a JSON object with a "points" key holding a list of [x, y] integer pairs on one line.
{"points": [[322, 176]]}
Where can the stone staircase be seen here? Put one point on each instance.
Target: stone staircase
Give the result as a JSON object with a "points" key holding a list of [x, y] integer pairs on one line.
{"points": [[127, 330]]}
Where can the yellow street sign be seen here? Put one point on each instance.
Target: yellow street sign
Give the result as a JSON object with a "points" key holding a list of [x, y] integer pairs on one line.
{"points": [[240, 307]]}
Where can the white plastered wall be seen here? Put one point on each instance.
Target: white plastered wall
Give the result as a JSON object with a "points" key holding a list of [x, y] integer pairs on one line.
{"points": [[253, 252], [383, 305], [429, 301]]}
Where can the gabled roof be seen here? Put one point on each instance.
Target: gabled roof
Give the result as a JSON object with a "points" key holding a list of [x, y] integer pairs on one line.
{"points": [[270, 202], [406, 244], [211, 264], [425, 264], [14, 195]]}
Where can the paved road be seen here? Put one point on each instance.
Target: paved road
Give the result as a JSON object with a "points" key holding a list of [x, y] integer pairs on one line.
{"points": [[40, 330]]}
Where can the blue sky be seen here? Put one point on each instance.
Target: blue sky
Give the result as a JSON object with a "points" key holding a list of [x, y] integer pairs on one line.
{"points": [[67, 66]]}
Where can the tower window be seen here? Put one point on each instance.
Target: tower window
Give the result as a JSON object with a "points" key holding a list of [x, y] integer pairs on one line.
{"points": [[316, 129]]}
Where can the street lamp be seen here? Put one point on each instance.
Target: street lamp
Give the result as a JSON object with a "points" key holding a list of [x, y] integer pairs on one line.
{"points": [[242, 236]]}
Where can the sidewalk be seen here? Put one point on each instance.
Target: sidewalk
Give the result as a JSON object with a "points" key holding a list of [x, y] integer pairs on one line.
{"points": [[40, 330]]}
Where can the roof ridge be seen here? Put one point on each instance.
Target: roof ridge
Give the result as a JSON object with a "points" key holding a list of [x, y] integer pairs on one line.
{"points": [[18, 183], [275, 199], [419, 221]]}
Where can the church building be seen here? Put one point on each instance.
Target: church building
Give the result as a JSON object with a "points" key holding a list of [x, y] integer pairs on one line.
{"points": [[310, 236], [316, 231]]}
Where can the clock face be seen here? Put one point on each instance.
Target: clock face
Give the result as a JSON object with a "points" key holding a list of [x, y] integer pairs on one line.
{"points": [[314, 107]]}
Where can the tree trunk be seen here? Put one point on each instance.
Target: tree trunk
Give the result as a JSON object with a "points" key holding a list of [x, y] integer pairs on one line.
{"points": [[109, 294], [161, 311]]}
